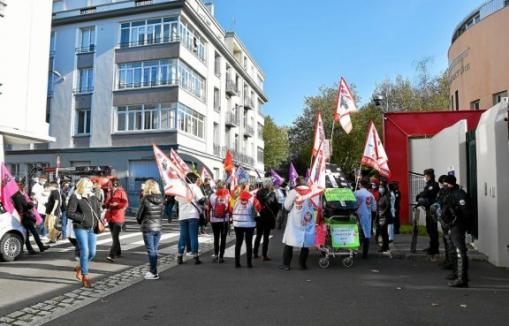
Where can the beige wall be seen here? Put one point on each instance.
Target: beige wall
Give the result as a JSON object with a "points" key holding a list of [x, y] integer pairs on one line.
{"points": [[479, 61]]}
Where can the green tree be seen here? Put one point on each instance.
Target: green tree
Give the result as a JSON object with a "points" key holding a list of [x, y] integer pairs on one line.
{"points": [[276, 144]]}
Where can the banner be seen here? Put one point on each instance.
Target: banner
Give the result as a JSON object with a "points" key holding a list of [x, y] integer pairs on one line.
{"points": [[206, 175], [374, 153], [173, 181], [179, 163], [292, 175], [242, 175], [344, 106]]}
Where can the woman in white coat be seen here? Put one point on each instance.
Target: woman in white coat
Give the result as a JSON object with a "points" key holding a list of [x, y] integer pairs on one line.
{"points": [[300, 226]]}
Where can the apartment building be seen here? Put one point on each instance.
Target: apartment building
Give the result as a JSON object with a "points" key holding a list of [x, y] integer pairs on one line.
{"points": [[126, 74]]}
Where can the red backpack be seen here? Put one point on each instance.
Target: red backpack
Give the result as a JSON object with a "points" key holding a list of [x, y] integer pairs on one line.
{"points": [[221, 206]]}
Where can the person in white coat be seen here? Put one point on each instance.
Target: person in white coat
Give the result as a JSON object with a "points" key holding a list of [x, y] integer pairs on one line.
{"points": [[300, 226]]}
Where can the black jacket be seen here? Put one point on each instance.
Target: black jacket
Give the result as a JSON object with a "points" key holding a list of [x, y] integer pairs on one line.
{"points": [[83, 211], [24, 208], [429, 195], [270, 206], [53, 198], [150, 213], [384, 209], [457, 210]]}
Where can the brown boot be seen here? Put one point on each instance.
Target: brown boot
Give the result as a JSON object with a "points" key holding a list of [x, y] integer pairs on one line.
{"points": [[77, 270], [86, 282]]}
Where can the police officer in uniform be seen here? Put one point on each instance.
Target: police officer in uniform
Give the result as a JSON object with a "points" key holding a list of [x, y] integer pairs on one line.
{"points": [[456, 215], [436, 210], [426, 198]]}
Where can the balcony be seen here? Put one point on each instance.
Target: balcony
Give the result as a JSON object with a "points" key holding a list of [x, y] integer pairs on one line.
{"points": [[231, 87], [248, 131], [150, 41], [85, 49], [83, 90], [232, 120], [249, 103]]}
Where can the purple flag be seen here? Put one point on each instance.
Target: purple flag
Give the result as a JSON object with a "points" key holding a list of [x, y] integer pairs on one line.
{"points": [[292, 175], [276, 178]]}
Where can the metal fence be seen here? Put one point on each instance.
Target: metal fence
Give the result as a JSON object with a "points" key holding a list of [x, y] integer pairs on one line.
{"points": [[416, 184]]}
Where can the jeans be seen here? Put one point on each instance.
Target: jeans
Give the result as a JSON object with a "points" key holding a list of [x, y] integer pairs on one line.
{"points": [[262, 229], [42, 229], [151, 240], [64, 224], [220, 230], [30, 227], [115, 229], [188, 234], [239, 234], [86, 241]]}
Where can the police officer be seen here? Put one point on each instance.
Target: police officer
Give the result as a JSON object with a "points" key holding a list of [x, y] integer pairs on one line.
{"points": [[436, 211], [457, 215], [426, 198]]}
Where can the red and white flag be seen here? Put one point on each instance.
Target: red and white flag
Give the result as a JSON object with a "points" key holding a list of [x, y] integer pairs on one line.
{"points": [[206, 175], [179, 163], [317, 175], [344, 106], [319, 134], [374, 153], [173, 181]]}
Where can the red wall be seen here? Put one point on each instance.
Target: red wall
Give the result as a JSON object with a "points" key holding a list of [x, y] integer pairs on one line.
{"points": [[399, 127]]}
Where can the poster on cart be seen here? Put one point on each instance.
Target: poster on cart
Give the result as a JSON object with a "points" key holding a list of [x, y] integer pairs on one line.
{"points": [[345, 236]]}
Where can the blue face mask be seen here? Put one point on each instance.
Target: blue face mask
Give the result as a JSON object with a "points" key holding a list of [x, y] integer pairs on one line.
{"points": [[381, 190]]}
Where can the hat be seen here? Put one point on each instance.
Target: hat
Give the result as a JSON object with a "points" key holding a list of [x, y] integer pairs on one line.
{"points": [[222, 192], [244, 195], [442, 178], [450, 179], [375, 181]]}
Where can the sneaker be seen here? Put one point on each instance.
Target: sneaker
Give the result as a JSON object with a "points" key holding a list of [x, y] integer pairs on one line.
{"points": [[150, 276], [110, 259]]}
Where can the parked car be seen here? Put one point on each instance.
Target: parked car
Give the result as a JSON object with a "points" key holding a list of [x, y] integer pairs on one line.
{"points": [[12, 237]]}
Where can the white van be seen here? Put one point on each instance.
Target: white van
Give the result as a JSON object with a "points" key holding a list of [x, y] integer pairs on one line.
{"points": [[12, 237]]}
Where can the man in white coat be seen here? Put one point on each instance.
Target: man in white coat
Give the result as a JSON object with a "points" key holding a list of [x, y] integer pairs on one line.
{"points": [[300, 226]]}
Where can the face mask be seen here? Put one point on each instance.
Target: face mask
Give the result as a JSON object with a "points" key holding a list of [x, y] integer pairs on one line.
{"points": [[381, 190], [373, 186]]}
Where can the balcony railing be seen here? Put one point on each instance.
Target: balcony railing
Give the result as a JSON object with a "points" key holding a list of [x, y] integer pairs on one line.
{"points": [[238, 157], [155, 83], [142, 2], [85, 49], [83, 90], [231, 87], [249, 103], [149, 41], [232, 119], [248, 131]]}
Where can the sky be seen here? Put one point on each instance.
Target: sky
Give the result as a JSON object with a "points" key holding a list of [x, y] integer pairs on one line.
{"points": [[302, 45]]}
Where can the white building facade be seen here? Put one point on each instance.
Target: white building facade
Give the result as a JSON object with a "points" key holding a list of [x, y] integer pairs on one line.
{"points": [[127, 74], [23, 71]]}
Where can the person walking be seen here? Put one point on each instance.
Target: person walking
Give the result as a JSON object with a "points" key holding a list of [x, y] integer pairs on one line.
{"points": [[244, 212], [24, 209], [39, 196], [53, 212], [219, 212], [300, 227], [83, 209], [426, 198], [149, 216], [366, 205], [189, 215], [64, 194], [116, 206], [267, 221], [384, 216]]}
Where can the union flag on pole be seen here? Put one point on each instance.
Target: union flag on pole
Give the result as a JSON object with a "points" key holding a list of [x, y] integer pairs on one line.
{"points": [[344, 106], [374, 153], [179, 163], [173, 179], [228, 162], [317, 174], [319, 134]]}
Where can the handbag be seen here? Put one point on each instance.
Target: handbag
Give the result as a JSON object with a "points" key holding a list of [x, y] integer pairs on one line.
{"points": [[99, 228]]}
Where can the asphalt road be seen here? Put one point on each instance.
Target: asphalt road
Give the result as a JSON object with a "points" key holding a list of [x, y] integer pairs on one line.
{"points": [[377, 291]]}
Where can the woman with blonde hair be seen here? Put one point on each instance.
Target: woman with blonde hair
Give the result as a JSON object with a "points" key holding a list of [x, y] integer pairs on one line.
{"points": [[84, 210], [149, 216]]}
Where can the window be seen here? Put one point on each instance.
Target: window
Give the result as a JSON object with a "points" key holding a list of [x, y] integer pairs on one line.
{"points": [[147, 73], [191, 80], [147, 32], [191, 40], [217, 106], [227, 139], [260, 155], [87, 40], [190, 121], [475, 105], [260, 131], [145, 117], [86, 81], [216, 133], [217, 64], [83, 122], [497, 97]]}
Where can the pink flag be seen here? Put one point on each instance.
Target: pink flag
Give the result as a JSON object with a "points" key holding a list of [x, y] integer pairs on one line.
{"points": [[319, 134], [8, 188], [179, 163], [173, 180], [344, 106], [374, 153]]}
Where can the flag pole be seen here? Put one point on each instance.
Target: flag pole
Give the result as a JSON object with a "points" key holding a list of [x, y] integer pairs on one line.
{"points": [[332, 135]]}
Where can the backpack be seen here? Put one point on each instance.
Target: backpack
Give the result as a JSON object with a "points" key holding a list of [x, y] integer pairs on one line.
{"points": [[221, 206]]}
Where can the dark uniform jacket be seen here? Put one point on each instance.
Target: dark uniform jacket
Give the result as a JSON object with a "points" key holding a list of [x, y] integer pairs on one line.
{"points": [[429, 195], [457, 210]]}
